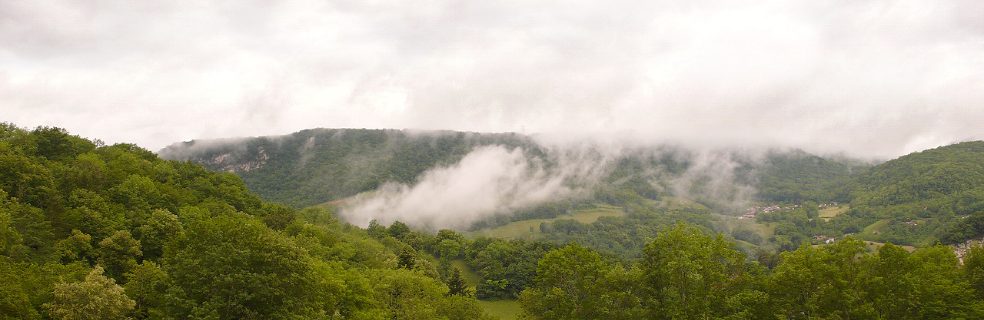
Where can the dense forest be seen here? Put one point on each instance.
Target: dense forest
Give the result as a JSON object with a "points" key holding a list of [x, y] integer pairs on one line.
{"points": [[90, 231]]}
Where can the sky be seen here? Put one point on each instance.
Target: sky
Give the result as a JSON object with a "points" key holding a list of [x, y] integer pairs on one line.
{"points": [[874, 79]]}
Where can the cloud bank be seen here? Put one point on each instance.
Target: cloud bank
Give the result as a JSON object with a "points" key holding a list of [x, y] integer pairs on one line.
{"points": [[489, 180], [866, 78]]}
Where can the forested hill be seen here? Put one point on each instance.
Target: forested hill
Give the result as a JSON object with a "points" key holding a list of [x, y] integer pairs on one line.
{"points": [[313, 166], [953, 173], [914, 199], [937, 187], [320, 165], [89, 231]]}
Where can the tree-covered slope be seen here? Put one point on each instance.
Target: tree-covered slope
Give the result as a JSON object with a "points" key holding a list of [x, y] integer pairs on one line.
{"points": [[796, 176], [946, 173], [113, 232], [916, 198], [320, 165], [314, 166], [89, 231]]}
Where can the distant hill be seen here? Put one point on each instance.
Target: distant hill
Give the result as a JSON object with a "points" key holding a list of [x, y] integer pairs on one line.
{"points": [[940, 174], [916, 198], [314, 166]]}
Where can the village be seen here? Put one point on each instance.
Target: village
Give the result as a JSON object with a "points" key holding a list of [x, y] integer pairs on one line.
{"points": [[751, 211]]}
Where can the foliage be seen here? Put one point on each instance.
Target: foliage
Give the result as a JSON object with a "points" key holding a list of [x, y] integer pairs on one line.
{"points": [[575, 283], [689, 275], [796, 177], [186, 242], [98, 297], [625, 235], [685, 274]]}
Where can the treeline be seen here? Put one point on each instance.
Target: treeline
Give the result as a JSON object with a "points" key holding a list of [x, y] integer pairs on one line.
{"points": [[89, 231], [628, 234], [505, 267], [685, 274]]}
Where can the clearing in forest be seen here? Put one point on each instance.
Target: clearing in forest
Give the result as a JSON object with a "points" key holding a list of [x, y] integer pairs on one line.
{"points": [[503, 309], [831, 212], [531, 228]]}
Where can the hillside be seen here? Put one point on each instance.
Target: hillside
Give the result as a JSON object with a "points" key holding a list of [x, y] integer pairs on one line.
{"points": [[912, 200], [419, 177], [89, 231], [916, 198], [95, 231], [320, 165]]}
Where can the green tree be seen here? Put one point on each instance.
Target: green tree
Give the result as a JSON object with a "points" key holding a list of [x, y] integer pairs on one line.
{"points": [[277, 216], [235, 267], [570, 284], [75, 247], [8, 235], [160, 227], [974, 270], [98, 297], [689, 275], [25, 287], [398, 229], [821, 282], [939, 289], [448, 249], [457, 284], [375, 230], [406, 258], [405, 294], [119, 253], [147, 286]]}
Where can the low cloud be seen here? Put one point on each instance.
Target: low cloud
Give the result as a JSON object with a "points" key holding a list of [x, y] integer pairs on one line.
{"points": [[864, 78], [711, 178], [487, 181]]}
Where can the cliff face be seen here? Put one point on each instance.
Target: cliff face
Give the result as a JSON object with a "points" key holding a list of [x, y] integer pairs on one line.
{"points": [[961, 249]]}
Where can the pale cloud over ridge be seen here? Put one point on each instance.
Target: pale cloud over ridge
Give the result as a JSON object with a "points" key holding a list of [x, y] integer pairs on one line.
{"points": [[867, 78]]}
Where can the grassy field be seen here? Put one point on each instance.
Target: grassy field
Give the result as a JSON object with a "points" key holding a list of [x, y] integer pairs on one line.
{"points": [[765, 230], [873, 246], [875, 226], [831, 212], [504, 309], [528, 229], [471, 278]]}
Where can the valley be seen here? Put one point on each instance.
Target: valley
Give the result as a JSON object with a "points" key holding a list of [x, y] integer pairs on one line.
{"points": [[381, 223]]}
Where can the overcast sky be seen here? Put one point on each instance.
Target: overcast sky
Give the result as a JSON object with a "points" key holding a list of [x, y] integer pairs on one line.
{"points": [[867, 78]]}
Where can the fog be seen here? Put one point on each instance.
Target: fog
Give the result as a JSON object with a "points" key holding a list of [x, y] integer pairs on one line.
{"points": [[495, 180], [872, 79], [487, 181]]}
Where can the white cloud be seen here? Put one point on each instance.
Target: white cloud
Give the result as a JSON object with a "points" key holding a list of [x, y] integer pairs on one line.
{"points": [[487, 181], [868, 78]]}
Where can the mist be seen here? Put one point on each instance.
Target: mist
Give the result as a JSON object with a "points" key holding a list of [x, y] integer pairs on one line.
{"points": [[488, 180], [495, 180], [712, 176]]}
